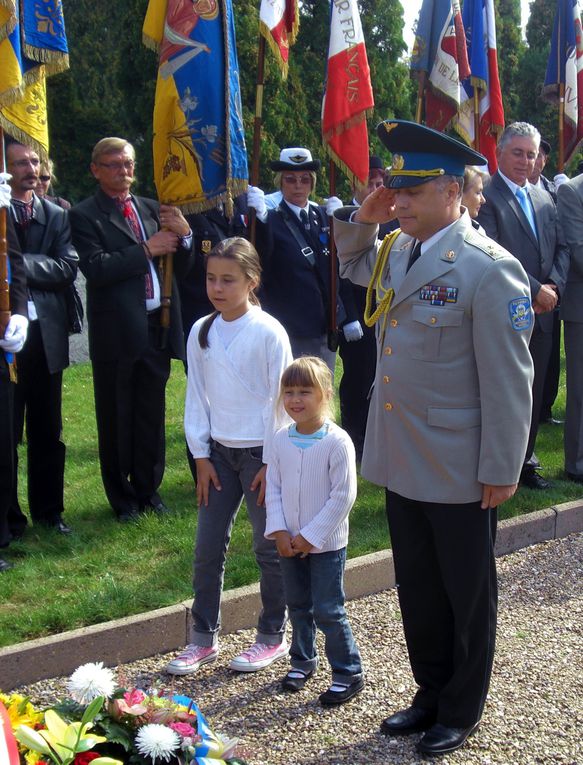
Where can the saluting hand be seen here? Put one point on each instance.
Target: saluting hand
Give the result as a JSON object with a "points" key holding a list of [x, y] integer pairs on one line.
{"points": [[378, 207]]}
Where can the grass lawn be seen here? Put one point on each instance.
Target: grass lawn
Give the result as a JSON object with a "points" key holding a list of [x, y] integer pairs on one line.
{"points": [[106, 570]]}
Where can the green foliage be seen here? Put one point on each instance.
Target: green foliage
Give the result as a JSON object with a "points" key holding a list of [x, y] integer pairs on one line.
{"points": [[510, 49]]}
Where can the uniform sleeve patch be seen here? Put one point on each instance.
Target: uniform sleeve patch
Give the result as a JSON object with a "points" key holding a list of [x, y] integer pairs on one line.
{"points": [[520, 313]]}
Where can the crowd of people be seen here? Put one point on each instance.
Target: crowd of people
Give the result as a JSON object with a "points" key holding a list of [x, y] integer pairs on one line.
{"points": [[449, 293]]}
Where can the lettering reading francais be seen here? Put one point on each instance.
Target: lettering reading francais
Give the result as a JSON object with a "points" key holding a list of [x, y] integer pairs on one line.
{"points": [[353, 65]]}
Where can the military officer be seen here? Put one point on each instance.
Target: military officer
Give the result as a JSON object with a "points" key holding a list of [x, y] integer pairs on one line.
{"points": [[449, 417]]}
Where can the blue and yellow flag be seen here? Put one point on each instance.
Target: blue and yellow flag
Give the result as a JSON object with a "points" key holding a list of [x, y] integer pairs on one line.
{"points": [[33, 46], [199, 150]]}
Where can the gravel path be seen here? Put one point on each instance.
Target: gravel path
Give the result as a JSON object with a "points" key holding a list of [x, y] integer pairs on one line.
{"points": [[534, 713]]}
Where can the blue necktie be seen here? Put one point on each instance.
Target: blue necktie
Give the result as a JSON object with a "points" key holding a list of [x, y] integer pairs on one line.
{"points": [[524, 202]]}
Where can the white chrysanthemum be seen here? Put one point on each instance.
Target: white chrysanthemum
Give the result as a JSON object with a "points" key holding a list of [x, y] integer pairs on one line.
{"points": [[90, 681], [157, 741]]}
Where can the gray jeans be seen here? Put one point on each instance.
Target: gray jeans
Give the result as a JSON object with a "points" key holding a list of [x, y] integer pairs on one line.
{"points": [[236, 469]]}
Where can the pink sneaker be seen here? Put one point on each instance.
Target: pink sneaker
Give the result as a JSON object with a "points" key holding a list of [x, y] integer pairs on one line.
{"points": [[191, 659], [259, 656]]}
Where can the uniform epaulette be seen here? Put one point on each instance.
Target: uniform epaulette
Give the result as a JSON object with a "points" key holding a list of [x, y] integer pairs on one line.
{"points": [[484, 243]]}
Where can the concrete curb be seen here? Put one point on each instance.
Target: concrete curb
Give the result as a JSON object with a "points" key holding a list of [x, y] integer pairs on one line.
{"points": [[166, 629]]}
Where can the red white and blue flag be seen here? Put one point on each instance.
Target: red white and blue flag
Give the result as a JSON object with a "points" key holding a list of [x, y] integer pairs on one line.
{"points": [[279, 23], [440, 51], [348, 97], [565, 68], [480, 26]]}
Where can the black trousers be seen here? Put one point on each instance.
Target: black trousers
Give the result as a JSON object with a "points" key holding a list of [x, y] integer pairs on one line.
{"points": [[37, 406], [130, 411], [551, 386], [6, 450], [540, 348], [446, 583]]}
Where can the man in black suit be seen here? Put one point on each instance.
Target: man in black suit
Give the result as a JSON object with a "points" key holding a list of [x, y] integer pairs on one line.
{"points": [[121, 246], [50, 263], [293, 243], [12, 340], [524, 220]]}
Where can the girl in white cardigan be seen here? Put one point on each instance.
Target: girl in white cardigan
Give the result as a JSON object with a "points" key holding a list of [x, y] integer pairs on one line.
{"points": [[311, 487], [235, 360]]}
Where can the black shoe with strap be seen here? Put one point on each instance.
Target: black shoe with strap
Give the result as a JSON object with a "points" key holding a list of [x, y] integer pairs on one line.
{"points": [[295, 679]]}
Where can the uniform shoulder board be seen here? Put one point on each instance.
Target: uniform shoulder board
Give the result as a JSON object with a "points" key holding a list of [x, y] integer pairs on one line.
{"points": [[485, 244]]}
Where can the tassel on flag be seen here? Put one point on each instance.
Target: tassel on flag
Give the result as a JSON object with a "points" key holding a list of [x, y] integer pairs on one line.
{"points": [[564, 77], [440, 51], [279, 23], [480, 26], [348, 97]]}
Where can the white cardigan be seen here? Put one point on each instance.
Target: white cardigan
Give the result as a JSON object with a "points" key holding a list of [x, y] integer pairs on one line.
{"points": [[311, 491], [231, 392]]}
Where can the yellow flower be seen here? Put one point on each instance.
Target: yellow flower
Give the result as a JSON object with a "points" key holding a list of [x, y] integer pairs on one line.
{"points": [[20, 711]]}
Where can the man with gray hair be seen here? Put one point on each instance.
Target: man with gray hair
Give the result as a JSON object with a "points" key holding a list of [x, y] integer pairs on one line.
{"points": [[523, 219]]}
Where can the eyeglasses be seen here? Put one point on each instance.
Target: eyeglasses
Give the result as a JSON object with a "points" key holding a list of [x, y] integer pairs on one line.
{"points": [[293, 180], [44, 178], [129, 164], [35, 162]]}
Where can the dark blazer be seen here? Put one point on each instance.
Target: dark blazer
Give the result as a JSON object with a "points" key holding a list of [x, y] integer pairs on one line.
{"points": [[18, 298], [50, 262], [114, 264], [293, 291], [545, 260]]}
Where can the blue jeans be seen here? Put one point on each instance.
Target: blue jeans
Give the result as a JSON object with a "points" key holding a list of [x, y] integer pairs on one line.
{"points": [[236, 469], [314, 590]]}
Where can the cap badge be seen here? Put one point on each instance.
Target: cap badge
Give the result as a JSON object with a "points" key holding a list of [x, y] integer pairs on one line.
{"points": [[297, 158], [398, 162]]}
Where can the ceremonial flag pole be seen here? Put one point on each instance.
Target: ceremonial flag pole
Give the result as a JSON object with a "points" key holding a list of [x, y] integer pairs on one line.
{"points": [[33, 45], [200, 158], [440, 61], [348, 100], [564, 77], [279, 24]]}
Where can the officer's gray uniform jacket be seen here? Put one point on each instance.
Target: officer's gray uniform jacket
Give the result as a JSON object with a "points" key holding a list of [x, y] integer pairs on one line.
{"points": [[451, 403]]}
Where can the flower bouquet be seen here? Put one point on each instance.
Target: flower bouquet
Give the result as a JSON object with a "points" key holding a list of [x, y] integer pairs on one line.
{"points": [[102, 724]]}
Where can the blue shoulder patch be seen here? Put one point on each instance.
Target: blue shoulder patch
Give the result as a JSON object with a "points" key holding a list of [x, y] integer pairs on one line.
{"points": [[520, 313]]}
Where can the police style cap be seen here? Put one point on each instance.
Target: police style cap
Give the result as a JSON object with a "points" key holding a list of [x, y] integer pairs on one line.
{"points": [[295, 159], [422, 154]]}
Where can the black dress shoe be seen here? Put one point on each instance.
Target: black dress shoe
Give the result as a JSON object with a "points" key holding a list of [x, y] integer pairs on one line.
{"points": [[439, 739], [552, 421], [159, 508], [4, 565], [295, 679], [332, 697], [410, 720], [57, 525], [532, 480], [577, 477], [128, 516]]}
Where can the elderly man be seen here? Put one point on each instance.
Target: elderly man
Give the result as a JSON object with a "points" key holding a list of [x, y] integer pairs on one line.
{"points": [[523, 219], [121, 244], [293, 243], [50, 262], [570, 203], [453, 323], [11, 342]]}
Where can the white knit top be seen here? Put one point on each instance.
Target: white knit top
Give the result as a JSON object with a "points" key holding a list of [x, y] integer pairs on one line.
{"points": [[311, 491], [231, 392]]}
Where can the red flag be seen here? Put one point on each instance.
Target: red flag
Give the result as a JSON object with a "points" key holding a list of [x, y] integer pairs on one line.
{"points": [[8, 748], [348, 98], [279, 22]]}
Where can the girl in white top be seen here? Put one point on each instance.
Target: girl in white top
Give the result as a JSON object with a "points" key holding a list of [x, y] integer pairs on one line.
{"points": [[235, 360], [311, 487]]}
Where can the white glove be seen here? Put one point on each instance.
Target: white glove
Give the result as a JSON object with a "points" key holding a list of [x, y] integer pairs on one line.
{"points": [[352, 331], [15, 334], [333, 204], [256, 199], [5, 189], [560, 178]]}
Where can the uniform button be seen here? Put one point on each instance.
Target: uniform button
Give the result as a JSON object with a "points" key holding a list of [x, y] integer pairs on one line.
{"points": [[386, 379], [394, 322], [388, 351], [388, 406], [434, 319]]}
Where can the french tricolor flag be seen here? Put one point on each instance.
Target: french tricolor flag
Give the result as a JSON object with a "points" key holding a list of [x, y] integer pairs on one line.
{"points": [[279, 23], [348, 97]]}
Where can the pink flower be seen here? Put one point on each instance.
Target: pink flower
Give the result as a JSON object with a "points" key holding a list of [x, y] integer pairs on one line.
{"points": [[183, 729], [132, 698]]}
